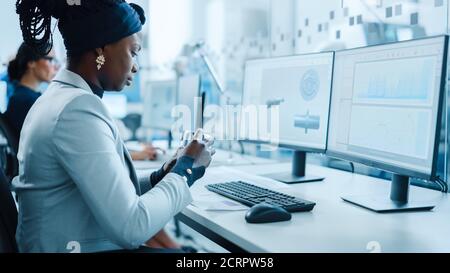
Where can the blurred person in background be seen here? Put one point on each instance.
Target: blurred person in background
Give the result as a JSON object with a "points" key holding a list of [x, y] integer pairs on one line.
{"points": [[26, 72]]}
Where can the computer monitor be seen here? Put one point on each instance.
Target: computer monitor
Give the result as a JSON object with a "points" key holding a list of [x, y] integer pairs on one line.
{"points": [[116, 104], [159, 100], [386, 111], [189, 95], [133, 92], [301, 86]]}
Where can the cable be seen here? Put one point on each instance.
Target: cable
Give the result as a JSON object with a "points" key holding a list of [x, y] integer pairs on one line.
{"points": [[438, 180], [241, 145], [352, 166], [442, 183]]}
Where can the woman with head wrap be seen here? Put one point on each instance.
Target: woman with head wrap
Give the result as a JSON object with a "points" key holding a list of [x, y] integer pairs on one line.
{"points": [[77, 185]]}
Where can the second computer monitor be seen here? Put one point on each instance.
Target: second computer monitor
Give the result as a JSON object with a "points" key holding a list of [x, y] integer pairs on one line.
{"points": [[189, 95], [300, 86], [386, 113], [159, 100], [117, 105]]}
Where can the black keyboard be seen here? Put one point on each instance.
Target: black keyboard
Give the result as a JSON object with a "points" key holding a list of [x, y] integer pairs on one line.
{"points": [[251, 195]]}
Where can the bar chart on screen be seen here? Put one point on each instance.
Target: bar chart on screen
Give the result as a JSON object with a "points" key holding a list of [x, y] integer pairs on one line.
{"points": [[406, 79]]}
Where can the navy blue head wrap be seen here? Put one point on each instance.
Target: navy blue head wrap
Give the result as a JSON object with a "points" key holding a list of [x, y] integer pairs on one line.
{"points": [[84, 24], [108, 26]]}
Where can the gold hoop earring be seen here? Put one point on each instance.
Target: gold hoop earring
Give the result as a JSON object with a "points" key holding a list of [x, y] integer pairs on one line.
{"points": [[100, 61]]}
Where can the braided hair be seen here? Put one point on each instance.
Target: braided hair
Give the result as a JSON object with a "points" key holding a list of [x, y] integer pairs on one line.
{"points": [[36, 17], [35, 22]]}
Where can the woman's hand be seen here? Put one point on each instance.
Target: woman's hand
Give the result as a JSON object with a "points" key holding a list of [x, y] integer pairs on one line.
{"points": [[195, 157], [197, 151], [171, 163], [200, 149]]}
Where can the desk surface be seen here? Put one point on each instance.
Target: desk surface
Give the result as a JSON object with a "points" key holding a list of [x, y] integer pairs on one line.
{"points": [[333, 225], [221, 158]]}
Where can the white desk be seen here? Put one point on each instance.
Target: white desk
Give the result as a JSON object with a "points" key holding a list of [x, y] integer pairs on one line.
{"points": [[221, 158], [333, 225]]}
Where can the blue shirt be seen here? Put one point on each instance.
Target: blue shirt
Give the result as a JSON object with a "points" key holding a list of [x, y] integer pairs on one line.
{"points": [[19, 105]]}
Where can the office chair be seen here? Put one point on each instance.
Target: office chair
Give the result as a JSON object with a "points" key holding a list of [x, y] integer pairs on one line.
{"points": [[8, 217], [9, 149], [133, 122]]}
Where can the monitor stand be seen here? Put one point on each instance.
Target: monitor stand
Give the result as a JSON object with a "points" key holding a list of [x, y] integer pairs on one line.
{"points": [[169, 140], [398, 201], [298, 171]]}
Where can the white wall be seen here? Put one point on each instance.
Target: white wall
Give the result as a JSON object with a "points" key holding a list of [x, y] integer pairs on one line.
{"points": [[170, 28], [433, 19], [282, 27], [11, 36]]}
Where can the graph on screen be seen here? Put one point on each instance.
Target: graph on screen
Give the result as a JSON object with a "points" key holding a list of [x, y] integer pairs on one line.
{"points": [[386, 105], [402, 135], [393, 81]]}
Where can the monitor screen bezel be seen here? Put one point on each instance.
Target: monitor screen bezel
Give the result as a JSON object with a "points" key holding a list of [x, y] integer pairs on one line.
{"points": [[390, 167]]}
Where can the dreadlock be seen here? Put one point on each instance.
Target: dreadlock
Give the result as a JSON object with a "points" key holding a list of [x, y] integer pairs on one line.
{"points": [[35, 23], [36, 17]]}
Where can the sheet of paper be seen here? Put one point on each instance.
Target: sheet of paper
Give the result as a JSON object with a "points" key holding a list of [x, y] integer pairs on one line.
{"points": [[220, 205], [206, 200]]}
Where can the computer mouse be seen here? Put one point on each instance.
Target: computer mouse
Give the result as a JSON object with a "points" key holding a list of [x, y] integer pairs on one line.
{"points": [[266, 213]]}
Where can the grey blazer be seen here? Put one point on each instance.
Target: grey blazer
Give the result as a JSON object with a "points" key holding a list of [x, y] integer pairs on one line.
{"points": [[77, 188]]}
